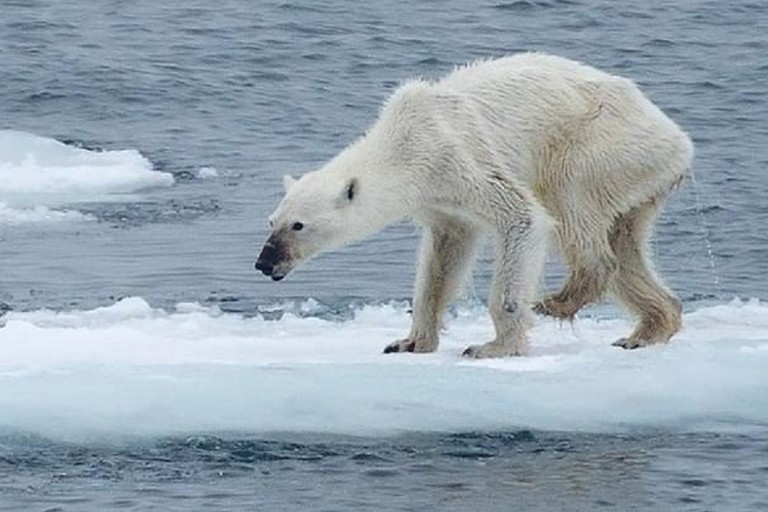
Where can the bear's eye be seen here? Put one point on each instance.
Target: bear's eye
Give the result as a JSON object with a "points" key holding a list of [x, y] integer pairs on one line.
{"points": [[297, 226]]}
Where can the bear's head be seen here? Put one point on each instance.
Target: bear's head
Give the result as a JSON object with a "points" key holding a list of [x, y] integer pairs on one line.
{"points": [[318, 213]]}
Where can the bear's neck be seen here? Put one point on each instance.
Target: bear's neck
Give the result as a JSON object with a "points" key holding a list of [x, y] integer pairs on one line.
{"points": [[384, 181]]}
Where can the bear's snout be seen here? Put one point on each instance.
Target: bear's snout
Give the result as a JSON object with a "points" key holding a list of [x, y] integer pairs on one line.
{"points": [[264, 266], [272, 255]]}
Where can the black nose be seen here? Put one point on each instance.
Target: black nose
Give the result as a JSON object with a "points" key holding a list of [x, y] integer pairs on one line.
{"points": [[265, 267]]}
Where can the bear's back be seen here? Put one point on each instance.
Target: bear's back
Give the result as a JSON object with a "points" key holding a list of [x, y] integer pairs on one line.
{"points": [[536, 96], [520, 71]]}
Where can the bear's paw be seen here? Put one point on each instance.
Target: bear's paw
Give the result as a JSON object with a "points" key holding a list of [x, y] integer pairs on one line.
{"points": [[494, 349], [418, 345]]}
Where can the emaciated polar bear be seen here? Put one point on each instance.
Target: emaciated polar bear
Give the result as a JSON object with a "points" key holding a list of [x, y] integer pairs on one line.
{"points": [[525, 146]]}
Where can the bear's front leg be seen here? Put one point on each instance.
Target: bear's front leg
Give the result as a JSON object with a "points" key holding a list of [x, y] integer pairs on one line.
{"points": [[522, 229], [447, 249]]}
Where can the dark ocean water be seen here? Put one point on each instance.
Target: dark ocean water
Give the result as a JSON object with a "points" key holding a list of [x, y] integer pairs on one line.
{"points": [[260, 89], [499, 471]]}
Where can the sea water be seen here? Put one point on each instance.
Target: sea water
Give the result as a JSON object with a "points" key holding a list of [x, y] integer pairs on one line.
{"points": [[144, 364]]}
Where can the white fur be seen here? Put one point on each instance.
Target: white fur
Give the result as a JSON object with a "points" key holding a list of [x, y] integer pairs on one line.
{"points": [[523, 146]]}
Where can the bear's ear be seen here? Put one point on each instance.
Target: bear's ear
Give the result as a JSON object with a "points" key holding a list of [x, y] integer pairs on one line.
{"points": [[348, 193], [351, 189], [288, 182]]}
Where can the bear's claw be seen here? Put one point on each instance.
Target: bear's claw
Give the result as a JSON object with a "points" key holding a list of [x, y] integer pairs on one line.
{"points": [[634, 342], [399, 346], [409, 345], [492, 349], [553, 307]]}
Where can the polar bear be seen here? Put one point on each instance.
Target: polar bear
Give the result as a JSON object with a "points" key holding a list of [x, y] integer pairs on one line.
{"points": [[532, 147]]}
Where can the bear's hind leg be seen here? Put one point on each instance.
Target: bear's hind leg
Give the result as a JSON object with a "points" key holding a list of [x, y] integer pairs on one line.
{"points": [[592, 264], [637, 286], [447, 250]]}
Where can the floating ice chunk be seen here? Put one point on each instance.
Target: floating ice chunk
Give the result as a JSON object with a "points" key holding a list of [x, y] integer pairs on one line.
{"points": [[39, 214], [129, 368], [32, 167], [205, 173]]}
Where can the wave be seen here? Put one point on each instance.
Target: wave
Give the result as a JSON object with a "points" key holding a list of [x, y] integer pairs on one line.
{"points": [[131, 369], [38, 175]]}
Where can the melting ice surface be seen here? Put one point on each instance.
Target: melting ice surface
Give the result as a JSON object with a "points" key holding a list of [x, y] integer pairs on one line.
{"points": [[132, 369], [39, 175]]}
